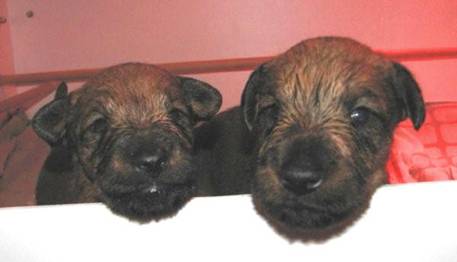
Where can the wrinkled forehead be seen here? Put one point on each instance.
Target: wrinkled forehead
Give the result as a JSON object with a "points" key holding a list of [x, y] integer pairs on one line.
{"points": [[131, 81], [133, 94], [328, 70]]}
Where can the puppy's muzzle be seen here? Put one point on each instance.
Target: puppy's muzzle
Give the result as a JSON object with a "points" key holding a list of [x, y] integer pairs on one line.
{"points": [[150, 161], [305, 166], [301, 181]]}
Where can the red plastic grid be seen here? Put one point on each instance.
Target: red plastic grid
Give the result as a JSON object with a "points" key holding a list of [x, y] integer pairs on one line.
{"points": [[429, 154]]}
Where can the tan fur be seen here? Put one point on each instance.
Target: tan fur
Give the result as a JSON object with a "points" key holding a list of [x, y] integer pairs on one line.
{"points": [[315, 87], [136, 103], [270, 182], [311, 81]]}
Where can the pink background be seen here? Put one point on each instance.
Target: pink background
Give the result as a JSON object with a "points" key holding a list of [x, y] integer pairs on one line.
{"points": [[6, 52], [86, 34]]}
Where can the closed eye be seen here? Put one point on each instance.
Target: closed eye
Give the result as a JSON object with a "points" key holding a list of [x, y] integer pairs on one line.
{"points": [[97, 124], [267, 108], [267, 117], [267, 104], [177, 113], [180, 118], [95, 130]]}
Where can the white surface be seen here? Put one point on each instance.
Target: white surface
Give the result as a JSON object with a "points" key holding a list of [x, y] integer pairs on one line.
{"points": [[405, 223]]}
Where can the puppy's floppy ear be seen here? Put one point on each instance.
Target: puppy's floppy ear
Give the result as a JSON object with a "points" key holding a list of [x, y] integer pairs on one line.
{"points": [[409, 95], [203, 99], [249, 96], [49, 121]]}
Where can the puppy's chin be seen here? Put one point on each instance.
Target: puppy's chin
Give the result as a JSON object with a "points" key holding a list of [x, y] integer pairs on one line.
{"points": [[308, 218], [152, 202]]}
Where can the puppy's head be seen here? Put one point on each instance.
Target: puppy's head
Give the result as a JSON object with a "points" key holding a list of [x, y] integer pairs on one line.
{"points": [[323, 114], [131, 130]]}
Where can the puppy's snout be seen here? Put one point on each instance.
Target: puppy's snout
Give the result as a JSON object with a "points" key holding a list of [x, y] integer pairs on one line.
{"points": [[150, 161], [306, 164], [301, 181]]}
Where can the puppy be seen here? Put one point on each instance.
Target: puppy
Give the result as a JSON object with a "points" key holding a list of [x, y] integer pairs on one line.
{"points": [[312, 136], [125, 139]]}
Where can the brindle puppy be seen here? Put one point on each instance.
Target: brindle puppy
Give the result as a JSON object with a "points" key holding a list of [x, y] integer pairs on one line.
{"points": [[313, 132], [124, 138]]}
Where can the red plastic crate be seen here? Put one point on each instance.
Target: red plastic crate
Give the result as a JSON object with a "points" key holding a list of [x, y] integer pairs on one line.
{"points": [[429, 154]]}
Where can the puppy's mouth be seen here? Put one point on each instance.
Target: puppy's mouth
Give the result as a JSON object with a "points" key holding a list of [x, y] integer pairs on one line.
{"points": [[306, 215], [151, 202], [153, 189], [307, 222], [315, 216]]}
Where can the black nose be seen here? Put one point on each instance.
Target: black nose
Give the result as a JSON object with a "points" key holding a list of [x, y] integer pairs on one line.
{"points": [[151, 162], [301, 181]]}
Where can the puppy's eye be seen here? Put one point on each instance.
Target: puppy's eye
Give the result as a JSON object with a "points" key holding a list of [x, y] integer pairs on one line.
{"points": [[267, 117], [180, 118], [267, 110], [177, 114], [99, 125], [360, 116]]}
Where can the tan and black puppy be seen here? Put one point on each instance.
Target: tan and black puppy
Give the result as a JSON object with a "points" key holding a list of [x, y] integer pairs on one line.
{"points": [[125, 138], [314, 132]]}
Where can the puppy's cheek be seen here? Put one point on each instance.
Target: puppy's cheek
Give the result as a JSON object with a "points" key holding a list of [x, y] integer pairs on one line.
{"points": [[267, 185], [269, 158], [372, 152], [374, 137], [115, 168], [88, 160], [348, 193], [377, 179], [117, 165], [89, 152]]}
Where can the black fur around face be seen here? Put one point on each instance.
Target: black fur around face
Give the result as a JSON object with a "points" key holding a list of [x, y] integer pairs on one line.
{"points": [[128, 137], [323, 115], [144, 174]]}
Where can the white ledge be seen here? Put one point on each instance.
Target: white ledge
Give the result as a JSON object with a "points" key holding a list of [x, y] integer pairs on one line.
{"points": [[416, 222]]}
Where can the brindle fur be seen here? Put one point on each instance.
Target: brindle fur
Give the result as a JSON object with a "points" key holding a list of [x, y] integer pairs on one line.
{"points": [[124, 138], [296, 113]]}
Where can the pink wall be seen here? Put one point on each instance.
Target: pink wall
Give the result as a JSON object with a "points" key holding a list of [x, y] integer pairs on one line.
{"points": [[87, 33], [6, 52]]}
